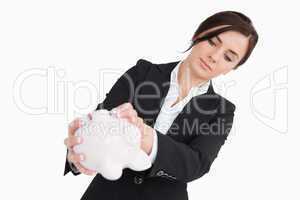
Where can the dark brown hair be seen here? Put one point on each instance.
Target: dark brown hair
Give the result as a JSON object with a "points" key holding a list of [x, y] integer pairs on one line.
{"points": [[235, 21]]}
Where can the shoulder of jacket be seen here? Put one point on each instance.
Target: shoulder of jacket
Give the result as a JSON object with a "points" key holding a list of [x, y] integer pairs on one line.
{"points": [[147, 66], [144, 62], [147, 62], [159, 67], [144, 65]]}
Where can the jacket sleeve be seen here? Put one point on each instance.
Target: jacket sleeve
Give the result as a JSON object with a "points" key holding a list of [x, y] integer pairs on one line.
{"points": [[122, 91], [187, 162]]}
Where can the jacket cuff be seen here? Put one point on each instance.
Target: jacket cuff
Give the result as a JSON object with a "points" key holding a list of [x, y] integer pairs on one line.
{"points": [[177, 161], [70, 167]]}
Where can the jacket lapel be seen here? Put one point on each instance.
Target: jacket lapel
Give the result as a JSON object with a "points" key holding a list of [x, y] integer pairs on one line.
{"points": [[201, 107]]}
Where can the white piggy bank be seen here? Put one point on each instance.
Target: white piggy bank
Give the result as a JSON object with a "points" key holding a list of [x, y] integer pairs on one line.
{"points": [[111, 144]]}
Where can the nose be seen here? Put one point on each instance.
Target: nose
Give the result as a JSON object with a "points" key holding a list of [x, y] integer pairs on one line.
{"points": [[211, 59], [214, 56]]}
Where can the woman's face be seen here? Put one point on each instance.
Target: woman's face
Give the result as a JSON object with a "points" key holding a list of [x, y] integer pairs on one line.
{"points": [[218, 55]]}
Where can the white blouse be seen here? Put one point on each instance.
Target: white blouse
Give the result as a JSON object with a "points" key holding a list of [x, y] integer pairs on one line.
{"points": [[167, 113]]}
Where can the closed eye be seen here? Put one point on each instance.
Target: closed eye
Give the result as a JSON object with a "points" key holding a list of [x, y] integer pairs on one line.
{"points": [[211, 42], [227, 58]]}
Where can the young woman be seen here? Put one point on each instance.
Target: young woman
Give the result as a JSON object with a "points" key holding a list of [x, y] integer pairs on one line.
{"points": [[183, 121]]}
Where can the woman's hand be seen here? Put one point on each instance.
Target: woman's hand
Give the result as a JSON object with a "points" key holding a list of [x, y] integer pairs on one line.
{"points": [[70, 142], [126, 111]]}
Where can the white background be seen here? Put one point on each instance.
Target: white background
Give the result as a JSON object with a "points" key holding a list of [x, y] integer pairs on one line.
{"points": [[82, 39]]}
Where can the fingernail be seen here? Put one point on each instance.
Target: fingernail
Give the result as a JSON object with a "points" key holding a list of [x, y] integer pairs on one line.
{"points": [[81, 157], [79, 139]]}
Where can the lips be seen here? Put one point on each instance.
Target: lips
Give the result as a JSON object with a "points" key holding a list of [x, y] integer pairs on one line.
{"points": [[205, 65]]}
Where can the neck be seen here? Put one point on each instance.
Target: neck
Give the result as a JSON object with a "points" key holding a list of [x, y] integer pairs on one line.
{"points": [[186, 79]]}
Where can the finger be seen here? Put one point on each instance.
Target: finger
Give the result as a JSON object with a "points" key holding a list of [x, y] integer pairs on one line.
{"points": [[124, 106], [129, 116], [141, 127], [132, 120], [73, 126], [72, 140], [75, 158], [127, 113], [84, 170], [140, 124]]}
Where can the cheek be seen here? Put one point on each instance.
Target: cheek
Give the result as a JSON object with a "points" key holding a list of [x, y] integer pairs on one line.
{"points": [[229, 65], [223, 67], [219, 67]]}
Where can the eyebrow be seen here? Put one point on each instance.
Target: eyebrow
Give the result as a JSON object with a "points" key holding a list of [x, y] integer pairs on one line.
{"points": [[219, 39]]}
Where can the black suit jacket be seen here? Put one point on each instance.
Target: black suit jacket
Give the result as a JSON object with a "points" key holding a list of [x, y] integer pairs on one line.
{"points": [[184, 154]]}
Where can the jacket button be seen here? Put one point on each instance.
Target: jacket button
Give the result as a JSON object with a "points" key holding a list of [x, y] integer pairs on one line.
{"points": [[160, 173], [138, 180]]}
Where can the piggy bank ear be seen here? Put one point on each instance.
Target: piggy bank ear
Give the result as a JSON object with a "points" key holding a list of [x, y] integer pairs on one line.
{"points": [[140, 162], [98, 115]]}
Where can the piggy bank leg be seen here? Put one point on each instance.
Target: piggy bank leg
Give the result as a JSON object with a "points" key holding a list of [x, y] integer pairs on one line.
{"points": [[140, 162], [111, 170]]}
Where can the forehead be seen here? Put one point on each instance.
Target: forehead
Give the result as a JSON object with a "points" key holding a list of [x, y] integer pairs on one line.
{"points": [[235, 41]]}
